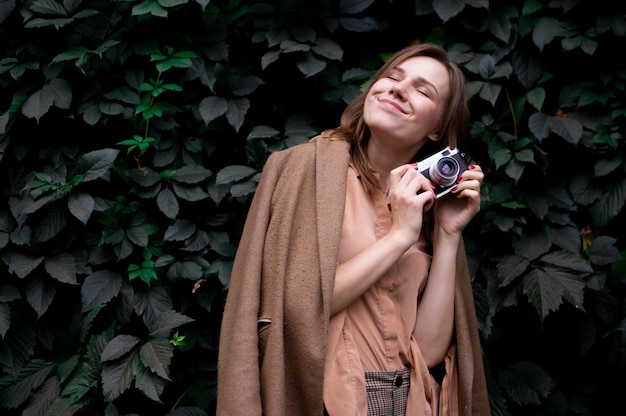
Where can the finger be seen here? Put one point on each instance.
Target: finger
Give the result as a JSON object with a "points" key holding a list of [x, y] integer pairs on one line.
{"points": [[472, 172], [396, 175], [426, 200]]}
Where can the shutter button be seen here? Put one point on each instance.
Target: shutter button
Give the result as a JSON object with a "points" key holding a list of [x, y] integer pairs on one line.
{"points": [[398, 381]]}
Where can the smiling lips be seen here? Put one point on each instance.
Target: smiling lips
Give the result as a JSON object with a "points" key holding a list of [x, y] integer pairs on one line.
{"points": [[393, 104]]}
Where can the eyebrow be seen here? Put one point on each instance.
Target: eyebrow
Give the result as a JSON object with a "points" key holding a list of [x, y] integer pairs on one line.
{"points": [[420, 79]]}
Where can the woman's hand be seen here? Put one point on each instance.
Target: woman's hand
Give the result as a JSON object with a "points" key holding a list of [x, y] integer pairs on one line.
{"points": [[410, 195], [454, 211]]}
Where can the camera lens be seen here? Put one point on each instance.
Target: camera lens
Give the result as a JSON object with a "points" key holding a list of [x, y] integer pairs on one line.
{"points": [[445, 171]]}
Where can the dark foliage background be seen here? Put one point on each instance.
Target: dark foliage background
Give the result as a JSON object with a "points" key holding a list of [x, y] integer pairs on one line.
{"points": [[133, 132]]}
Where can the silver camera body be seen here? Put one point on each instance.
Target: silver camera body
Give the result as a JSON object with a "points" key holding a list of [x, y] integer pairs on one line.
{"points": [[443, 168]]}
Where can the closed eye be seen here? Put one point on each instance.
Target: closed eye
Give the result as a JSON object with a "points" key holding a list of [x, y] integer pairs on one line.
{"points": [[424, 92]]}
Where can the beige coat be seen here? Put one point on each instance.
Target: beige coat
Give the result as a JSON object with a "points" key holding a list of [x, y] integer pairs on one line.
{"points": [[273, 337]]}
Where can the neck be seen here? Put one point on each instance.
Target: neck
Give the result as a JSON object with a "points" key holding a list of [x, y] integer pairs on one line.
{"points": [[385, 158]]}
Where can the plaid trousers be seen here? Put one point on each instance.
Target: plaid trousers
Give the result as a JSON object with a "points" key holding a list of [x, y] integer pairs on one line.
{"points": [[387, 392]]}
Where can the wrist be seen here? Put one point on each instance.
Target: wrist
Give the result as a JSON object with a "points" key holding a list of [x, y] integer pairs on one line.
{"points": [[442, 235], [401, 239]]}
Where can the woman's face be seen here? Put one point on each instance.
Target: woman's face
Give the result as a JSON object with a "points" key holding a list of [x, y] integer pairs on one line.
{"points": [[405, 105]]}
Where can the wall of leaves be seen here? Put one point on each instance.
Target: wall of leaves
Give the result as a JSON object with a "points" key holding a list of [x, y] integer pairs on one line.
{"points": [[133, 132]]}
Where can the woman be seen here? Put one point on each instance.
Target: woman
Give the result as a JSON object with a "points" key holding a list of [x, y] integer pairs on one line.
{"points": [[350, 293]]}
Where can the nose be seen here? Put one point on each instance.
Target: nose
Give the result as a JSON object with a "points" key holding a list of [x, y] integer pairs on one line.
{"points": [[397, 90]]}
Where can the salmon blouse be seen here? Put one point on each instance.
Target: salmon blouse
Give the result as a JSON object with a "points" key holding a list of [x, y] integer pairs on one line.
{"points": [[375, 332]]}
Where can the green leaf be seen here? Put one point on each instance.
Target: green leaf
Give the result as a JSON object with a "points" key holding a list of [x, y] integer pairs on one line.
{"points": [[31, 377], [118, 347], [262, 132], [290, 46], [138, 236], [525, 156], [81, 205], [567, 260], [545, 289], [610, 203], [514, 169], [185, 270], [172, 3], [533, 244], [123, 94], [39, 294], [149, 7], [6, 8], [110, 108], [44, 22], [180, 59], [117, 376], [584, 190], [568, 128], [328, 49], [167, 321], [144, 177], [167, 203], [90, 111], [96, 164], [5, 319], [244, 86], [48, 7], [212, 108], [545, 30], [269, 57], [21, 264], [233, 173], [149, 384], [187, 411], [62, 267], [539, 125], [501, 157], [567, 237], [189, 193], [197, 242], [73, 53], [237, 109], [57, 92], [243, 189], [62, 406], [536, 97], [603, 251], [511, 267], [191, 174], [500, 23], [152, 302], [526, 382], [180, 230], [354, 6], [99, 288], [490, 92], [156, 355], [531, 7], [311, 65], [51, 223], [43, 397]]}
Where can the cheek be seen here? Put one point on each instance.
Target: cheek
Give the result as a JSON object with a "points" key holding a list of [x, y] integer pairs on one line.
{"points": [[367, 109]]}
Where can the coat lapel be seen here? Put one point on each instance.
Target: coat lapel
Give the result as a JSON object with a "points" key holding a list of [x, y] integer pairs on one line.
{"points": [[332, 159]]}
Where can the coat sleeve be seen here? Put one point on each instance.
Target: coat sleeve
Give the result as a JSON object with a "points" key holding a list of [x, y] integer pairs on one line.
{"points": [[238, 391]]}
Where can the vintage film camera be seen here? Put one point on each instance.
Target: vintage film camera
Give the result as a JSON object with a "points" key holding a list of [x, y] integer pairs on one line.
{"points": [[443, 168]]}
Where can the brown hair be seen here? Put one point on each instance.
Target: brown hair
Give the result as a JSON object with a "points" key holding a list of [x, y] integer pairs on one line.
{"points": [[454, 120]]}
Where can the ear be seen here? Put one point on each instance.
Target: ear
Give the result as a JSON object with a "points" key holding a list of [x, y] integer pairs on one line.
{"points": [[434, 136]]}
